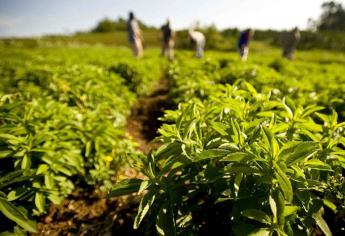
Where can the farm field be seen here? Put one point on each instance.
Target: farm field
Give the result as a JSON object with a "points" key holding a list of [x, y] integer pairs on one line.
{"points": [[96, 142]]}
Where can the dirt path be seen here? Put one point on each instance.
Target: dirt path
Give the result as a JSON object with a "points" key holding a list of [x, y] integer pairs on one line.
{"points": [[143, 122], [86, 211]]}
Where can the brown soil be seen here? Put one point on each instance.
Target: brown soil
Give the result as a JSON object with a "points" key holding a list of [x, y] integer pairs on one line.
{"points": [[87, 211], [143, 122]]}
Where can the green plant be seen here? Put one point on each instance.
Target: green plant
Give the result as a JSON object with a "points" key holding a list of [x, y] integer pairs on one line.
{"points": [[62, 121], [271, 162]]}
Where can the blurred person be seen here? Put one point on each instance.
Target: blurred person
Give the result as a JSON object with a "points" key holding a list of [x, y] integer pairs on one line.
{"points": [[168, 40], [243, 43], [289, 42], [198, 39], [135, 37]]}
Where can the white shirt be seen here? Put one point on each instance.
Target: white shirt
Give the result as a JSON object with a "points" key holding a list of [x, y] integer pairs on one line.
{"points": [[197, 36]]}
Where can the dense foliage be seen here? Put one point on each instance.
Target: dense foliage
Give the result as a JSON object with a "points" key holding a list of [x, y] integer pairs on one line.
{"points": [[62, 119], [253, 149]]}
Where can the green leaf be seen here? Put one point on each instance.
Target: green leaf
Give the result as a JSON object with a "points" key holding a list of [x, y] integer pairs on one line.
{"points": [[237, 135], [211, 153], [251, 88], [5, 153], [7, 233], [40, 201], [189, 129], [12, 139], [288, 109], [49, 181], [125, 187], [257, 215], [342, 124], [284, 182], [17, 193], [279, 128], [165, 151], [143, 186], [236, 157], [294, 152], [14, 214], [42, 169], [144, 207], [322, 223], [311, 135], [88, 148], [311, 126], [290, 103], [245, 169], [265, 114], [273, 206], [288, 229], [298, 172], [19, 232], [317, 165], [26, 162], [323, 117], [165, 223], [311, 109], [272, 142], [277, 201], [219, 127], [14, 177], [237, 182], [330, 205], [290, 210]]}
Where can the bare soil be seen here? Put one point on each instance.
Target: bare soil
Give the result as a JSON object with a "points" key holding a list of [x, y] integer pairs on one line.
{"points": [[143, 122], [88, 212]]}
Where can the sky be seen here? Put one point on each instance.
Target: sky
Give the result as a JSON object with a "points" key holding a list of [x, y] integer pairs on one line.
{"points": [[40, 17]]}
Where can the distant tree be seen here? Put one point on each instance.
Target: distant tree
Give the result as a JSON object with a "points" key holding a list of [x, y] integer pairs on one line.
{"points": [[108, 25], [230, 32], [214, 39], [332, 17]]}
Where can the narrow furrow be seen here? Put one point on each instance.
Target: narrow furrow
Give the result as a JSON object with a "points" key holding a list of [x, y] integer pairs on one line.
{"points": [[87, 211], [143, 123]]}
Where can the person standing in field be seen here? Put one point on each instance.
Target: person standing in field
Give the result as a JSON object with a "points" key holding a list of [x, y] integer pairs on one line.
{"points": [[168, 40], [135, 37], [198, 39], [290, 41], [243, 43]]}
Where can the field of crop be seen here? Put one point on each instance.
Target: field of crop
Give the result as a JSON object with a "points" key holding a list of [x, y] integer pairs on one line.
{"points": [[245, 148]]}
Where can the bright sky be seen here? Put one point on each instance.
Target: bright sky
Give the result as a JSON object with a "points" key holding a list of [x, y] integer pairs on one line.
{"points": [[39, 17]]}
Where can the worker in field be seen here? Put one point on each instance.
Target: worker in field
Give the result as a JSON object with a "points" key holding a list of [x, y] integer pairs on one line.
{"points": [[168, 40], [198, 39], [243, 43], [290, 41], [135, 36]]}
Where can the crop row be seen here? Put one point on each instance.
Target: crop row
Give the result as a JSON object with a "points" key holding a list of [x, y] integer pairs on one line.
{"points": [[62, 121]]}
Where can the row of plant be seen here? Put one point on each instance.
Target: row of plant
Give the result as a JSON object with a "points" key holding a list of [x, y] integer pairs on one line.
{"points": [[258, 158], [62, 121], [315, 78]]}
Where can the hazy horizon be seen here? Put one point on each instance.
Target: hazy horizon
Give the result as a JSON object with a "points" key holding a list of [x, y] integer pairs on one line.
{"points": [[25, 18]]}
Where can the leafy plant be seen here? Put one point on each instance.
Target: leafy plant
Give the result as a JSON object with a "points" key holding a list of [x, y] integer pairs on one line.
{"points": [[269, 162]]}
